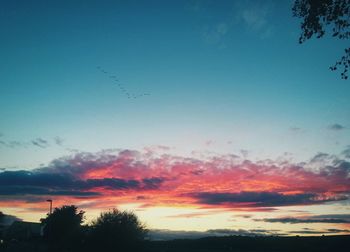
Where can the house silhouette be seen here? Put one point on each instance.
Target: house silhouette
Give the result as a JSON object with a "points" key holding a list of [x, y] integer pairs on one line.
{"points": [[23, 230]]}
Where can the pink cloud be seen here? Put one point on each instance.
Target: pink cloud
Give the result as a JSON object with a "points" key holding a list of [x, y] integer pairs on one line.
{"points": [[163, 179]]}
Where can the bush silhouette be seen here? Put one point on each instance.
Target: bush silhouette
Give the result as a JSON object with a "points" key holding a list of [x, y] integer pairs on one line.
{"points": [[116, 229]]}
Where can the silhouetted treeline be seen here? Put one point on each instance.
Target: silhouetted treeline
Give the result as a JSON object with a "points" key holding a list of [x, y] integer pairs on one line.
{"points": [[62, 231], [122, 231]]}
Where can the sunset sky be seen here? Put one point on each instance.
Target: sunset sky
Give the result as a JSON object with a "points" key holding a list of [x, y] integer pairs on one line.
{"points": [[204, 116]]}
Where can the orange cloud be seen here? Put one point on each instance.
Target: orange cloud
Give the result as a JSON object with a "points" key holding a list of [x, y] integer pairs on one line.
{"points": [[108, 179]]}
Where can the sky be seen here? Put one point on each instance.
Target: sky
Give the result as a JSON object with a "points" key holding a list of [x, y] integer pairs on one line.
{"points": [[202, 117]]}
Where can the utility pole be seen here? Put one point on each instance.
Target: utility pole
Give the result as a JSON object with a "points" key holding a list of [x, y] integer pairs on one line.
{"points": [[50, 200]]}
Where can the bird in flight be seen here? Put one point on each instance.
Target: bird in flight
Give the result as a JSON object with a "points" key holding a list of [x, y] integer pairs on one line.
{"points": [[121, 87]]}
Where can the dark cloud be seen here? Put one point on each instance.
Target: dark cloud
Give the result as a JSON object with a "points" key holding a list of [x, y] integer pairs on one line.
{"points": [[341, 168], [153, 183], [307, 232], [335, 230], [257, 199], [336, 126], [31, 178], [32, 190], [246, 216], [39, 142], [295, 129], [164, 234], [197, 172], [12, 144], [40, 183], [228, 232], [110, 183], [330, 218], [327, 231], [343, 216], [141, 197]]}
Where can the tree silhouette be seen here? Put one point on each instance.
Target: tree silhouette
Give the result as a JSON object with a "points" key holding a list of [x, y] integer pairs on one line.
{"points": [[116, 229], [320, 16], [62, 228]]}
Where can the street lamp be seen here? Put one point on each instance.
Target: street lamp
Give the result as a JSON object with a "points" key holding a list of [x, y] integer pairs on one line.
{"points": [[50, 200]]}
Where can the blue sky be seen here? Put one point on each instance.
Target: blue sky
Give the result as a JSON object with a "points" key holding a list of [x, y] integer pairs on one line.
{"points": [[216, 72]]}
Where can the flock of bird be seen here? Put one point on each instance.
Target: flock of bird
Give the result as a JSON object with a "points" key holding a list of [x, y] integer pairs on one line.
{"points": [[122, 88]]}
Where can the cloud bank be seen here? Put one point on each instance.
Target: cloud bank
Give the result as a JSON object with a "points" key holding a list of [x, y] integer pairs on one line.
{"points": [[155, 179]]}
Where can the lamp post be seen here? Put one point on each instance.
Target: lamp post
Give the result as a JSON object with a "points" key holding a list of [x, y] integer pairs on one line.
{"points": [[50, 200]]}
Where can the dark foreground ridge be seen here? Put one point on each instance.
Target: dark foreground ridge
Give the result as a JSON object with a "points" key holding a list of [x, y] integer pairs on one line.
{"points": [[252, 244], [209, 244]]}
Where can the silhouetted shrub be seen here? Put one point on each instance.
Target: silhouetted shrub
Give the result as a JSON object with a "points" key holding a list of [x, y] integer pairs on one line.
{"points": [[116, 230]]}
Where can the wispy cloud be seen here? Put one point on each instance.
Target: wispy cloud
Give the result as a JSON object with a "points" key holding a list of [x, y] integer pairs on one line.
{"points": [[209, 142], [246, 216], [37, 142], [336, 127], [328, 218], [59, 141], [40, 142], [12, 144], [324, 231], [346, 152], [214, 34], [255, 16], [336, 230], [296, 129], [192, 215]]}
